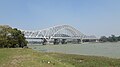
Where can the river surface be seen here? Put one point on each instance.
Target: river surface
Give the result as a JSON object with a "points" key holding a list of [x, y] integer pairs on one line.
{"points": [[111, 50]]}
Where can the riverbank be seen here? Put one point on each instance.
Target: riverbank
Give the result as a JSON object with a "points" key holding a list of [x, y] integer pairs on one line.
{"points": [[29, 58]]}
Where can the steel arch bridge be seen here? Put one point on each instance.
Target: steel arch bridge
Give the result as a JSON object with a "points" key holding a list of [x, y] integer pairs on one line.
{"points": [[56, 32]]}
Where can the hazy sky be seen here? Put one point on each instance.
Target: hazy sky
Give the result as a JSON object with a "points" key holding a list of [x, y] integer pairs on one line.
{"points": [[91, 17]]}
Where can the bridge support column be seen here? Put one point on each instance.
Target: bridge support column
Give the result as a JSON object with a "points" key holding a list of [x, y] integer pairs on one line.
{"points": [[56, 41], [44, 41], [63, 41], [78, 41]]}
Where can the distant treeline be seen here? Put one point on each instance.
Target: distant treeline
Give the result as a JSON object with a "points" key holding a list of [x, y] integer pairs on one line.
{"points": [[11, 38], [111, 38]]}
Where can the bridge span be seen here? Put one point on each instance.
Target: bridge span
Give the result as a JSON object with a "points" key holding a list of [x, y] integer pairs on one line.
{"points": [[58, 34]]}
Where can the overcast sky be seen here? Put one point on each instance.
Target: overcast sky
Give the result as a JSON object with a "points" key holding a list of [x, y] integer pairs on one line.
{"points": [[91, 17]]}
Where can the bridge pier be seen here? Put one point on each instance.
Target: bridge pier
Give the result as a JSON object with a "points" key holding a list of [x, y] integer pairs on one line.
{"points": [[56, 41], [44, 41], [63, 41], [78, 41], [90, 40]]}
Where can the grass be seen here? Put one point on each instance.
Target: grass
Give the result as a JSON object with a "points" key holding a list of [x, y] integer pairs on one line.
{"points": [[18, 57]]}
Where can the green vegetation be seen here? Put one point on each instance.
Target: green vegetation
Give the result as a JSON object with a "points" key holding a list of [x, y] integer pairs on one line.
{"points": [[18, 57], [111, 38], [11, 38]]}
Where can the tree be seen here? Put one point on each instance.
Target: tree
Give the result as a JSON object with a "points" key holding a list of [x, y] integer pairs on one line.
{"points": [[11, 37], [103, 39], [118, 38], [112, 38]]}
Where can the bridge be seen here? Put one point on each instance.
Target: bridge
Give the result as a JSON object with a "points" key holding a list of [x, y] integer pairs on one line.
{"points": [[57, 34]]}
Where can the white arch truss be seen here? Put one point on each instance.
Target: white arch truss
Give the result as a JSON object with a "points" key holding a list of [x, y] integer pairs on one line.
{"points": [[63, 31]]}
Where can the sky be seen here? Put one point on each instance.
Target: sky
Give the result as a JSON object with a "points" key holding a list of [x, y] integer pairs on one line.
{"points": [[91, 17]]}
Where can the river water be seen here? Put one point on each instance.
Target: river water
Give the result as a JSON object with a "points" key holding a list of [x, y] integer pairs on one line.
{"points": [[111, 50]]}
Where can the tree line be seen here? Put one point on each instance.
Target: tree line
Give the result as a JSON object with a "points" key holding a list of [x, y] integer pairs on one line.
{"points": [[11, 37], [111, 38]]}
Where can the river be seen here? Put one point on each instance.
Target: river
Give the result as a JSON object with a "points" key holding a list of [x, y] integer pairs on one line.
{"points": [[108, 49]]}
